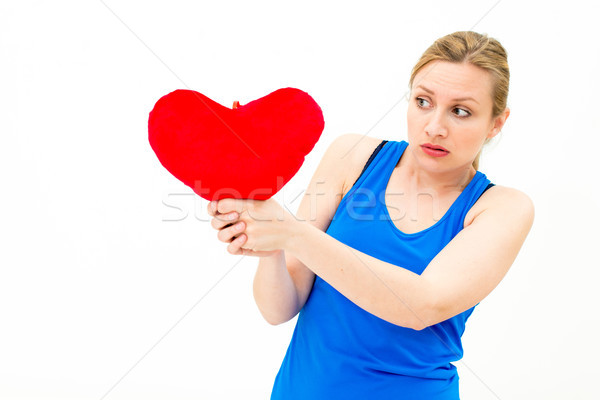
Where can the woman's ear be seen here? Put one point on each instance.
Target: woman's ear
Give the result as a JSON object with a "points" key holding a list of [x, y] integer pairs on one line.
{"points": [[499, 123]]}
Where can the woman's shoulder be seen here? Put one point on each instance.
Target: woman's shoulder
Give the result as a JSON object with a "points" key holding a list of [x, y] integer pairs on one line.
{"points": [[352, 150], [501, 199], [499, 194], [353, 144]]}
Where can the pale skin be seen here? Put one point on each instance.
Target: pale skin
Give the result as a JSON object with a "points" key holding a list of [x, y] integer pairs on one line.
{"points": [[292, 249]]}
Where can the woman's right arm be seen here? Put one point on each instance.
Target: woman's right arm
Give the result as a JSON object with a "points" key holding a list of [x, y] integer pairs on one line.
{"points": [[282, 283]]}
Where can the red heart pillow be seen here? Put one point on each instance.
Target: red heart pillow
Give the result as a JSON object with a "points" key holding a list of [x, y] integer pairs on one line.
{"points": [[249, 152]]}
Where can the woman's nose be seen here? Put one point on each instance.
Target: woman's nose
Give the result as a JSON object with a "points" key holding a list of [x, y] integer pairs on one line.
{"points": [[436, 126]]}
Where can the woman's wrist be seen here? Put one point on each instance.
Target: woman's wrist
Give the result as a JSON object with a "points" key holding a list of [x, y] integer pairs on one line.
{"points": [[275, 254], [297, 237]]}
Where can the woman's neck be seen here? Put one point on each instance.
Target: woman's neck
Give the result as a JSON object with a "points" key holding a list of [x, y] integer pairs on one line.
{"points": [[423, 180]]}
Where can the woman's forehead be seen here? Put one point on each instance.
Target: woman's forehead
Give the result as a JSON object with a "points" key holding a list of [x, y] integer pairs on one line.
{"points": [[447, 79]]}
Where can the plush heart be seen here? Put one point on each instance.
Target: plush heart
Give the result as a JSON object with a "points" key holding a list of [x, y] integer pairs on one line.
{"points": [[248, 152]]}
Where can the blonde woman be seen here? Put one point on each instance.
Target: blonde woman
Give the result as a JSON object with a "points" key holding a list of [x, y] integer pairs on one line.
{"points": [[394, 243]]}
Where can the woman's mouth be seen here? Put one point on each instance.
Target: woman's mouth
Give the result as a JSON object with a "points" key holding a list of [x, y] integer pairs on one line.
{"points": [[435, 151]]}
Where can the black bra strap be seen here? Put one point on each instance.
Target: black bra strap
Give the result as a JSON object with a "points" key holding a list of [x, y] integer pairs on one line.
{"points": [[488, 186]]}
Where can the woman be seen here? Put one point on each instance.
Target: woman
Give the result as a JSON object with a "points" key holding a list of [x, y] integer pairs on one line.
{"points": [[394, 243]]}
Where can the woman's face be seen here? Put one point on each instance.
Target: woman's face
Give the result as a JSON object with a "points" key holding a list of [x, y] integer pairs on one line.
{"points": [[450, 105]]}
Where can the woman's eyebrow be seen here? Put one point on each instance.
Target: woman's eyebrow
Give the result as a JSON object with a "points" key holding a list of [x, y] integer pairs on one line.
{"points": [[459, 99]]}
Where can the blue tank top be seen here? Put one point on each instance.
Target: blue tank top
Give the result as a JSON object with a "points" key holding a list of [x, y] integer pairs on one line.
{"points": [[340, 351]]}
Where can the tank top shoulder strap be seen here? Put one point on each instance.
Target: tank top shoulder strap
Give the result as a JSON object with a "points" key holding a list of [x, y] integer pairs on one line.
{"points": [[470, 195], [371, 158]]}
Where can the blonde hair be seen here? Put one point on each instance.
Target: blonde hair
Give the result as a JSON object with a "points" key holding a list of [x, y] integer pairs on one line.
{"points": [[479, 50]]}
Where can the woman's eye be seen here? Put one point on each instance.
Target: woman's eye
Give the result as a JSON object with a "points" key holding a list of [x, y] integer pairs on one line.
{"points": [[466, 113], [422, 103], [420, 100]]}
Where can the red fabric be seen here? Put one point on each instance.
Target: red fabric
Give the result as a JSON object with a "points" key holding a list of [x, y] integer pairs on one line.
{"points": [[248, 152]]}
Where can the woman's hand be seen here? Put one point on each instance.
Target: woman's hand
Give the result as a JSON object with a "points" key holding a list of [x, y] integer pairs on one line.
{"points": [[257, 228]]}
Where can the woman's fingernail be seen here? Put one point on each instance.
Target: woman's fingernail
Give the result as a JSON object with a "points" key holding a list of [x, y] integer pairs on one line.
{"points": [[239, 226], [231, 216]]}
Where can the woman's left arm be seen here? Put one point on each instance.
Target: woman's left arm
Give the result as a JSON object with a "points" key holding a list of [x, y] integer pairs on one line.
{"points": [[462, 274]]}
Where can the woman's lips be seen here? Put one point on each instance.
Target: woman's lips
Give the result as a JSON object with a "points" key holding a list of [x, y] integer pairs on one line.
{"points": [[434, 152], [435, 147]]}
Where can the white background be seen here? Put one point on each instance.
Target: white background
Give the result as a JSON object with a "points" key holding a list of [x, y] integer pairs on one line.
{"points": [[100, 297]]}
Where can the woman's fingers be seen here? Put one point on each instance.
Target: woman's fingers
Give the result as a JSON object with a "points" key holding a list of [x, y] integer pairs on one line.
{"points": [[226, 234], [230, 230], [221, 220], [209, 208], [235, 247]]}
